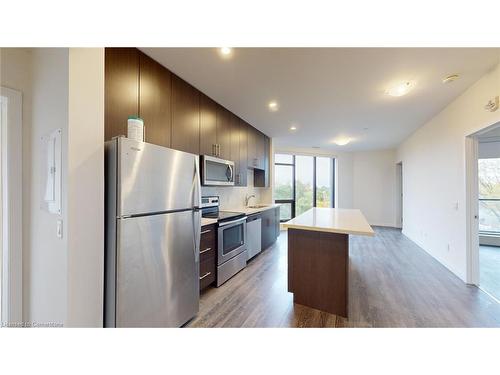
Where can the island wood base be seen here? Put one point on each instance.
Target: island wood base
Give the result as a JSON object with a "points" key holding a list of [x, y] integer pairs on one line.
{"points": [[318, 265]]}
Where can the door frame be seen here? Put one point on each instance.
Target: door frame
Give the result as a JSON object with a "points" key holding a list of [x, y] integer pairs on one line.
{"points": [[11, 180], [472, 204], [399, 195]]}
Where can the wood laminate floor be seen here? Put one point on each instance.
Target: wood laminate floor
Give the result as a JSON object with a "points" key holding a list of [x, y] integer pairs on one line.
{"points": [[393, 283], [489, 268]]}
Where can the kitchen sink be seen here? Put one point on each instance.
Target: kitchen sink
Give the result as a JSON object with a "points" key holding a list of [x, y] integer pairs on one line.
{"points": [[259, 206]]}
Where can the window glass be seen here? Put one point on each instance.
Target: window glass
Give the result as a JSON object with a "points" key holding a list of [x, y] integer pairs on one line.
{"points": [[304, 166], [285, 211], [324, 182], [489, 195], [283, 182]]}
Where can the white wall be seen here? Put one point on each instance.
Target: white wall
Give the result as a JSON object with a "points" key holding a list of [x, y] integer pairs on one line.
{"points": [[45, 255], [434, 174], [374, 186], [85, 234], [364, 180]]}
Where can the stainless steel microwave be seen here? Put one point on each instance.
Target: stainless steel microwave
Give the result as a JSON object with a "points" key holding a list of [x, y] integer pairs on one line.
{"points": [[216, 172]]}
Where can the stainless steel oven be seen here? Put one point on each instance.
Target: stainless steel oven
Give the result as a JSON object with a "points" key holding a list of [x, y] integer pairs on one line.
{"points": [[216, 172], [231, 239]]}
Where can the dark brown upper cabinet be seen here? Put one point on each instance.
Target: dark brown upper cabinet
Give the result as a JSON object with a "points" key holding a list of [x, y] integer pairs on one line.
{"points": [[261, 150], [224, 133], [208, 126], [235, 146], [185, 116], [243, 130], [256, 148], [154, 101], [267, 159], [252, 146], [121, 89]]}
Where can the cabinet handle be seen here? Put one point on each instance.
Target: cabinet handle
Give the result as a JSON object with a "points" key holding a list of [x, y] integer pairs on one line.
{"points": [[206, 231], [205, 275], [204, 251]]}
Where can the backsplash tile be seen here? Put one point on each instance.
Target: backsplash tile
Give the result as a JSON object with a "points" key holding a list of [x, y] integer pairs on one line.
{"points": [[234, 196]]}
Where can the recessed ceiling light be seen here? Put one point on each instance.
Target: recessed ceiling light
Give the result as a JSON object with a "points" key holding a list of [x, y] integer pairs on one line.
{"points": [[451, 78], [341, 141], [226, 51], [293, 128], [401, 88], [273, 106]]}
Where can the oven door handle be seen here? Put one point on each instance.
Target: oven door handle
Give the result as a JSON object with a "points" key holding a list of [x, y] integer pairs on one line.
{"points": [[243, 219]]}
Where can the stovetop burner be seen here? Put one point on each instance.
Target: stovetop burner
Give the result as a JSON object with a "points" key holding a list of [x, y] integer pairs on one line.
{"points": [[223, 215], [210, 210]]}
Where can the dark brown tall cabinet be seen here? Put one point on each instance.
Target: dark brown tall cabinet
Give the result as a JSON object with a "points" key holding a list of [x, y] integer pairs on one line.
{"points": [[243, 161], [239, 151], [121, 89], [224, 128], [185, 116], [208, 126], [154, 101]]}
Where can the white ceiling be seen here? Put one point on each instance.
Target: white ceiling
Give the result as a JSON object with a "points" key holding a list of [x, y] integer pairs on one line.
{"points": [[330, 92]]}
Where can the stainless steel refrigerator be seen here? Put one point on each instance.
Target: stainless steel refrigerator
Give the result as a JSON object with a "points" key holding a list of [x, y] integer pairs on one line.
{"points": [[152, 235]]}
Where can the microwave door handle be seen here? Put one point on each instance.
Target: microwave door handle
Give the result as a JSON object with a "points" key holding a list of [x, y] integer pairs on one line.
{"points": [[232, 172]]}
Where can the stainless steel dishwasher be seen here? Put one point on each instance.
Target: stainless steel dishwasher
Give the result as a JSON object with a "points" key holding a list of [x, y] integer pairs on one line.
{"points": [[254, 235]]}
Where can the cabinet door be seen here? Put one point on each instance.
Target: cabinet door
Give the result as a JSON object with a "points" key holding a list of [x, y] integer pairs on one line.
{"points": [[208, 125], [235, 147], [267, 145], [277, 222], [242, 179], [252, 147], [121, 89], [223, 133], [185, 116], [267, 229], [154, 98], [261, 150]]}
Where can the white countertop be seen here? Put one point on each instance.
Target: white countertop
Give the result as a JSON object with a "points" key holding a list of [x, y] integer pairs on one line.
{"points": [[334, 220], [250, 211]]}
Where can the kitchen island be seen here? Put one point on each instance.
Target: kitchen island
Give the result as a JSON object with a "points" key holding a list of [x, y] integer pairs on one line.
{"points": [[318, 256]]}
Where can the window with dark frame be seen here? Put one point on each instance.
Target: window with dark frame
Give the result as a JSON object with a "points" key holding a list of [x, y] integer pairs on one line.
{"points": [[489, 196], [302, 182]]}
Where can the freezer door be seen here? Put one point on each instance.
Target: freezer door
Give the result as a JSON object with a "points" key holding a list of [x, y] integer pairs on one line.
{"points": [[152, 178], [157, 270]]}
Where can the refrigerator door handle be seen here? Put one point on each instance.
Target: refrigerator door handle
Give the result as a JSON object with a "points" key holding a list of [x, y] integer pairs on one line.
{"points": [[197, 234], [197, 185]]}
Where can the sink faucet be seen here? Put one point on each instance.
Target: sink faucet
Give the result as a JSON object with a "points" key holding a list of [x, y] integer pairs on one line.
{"points": [[247, 199]]}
